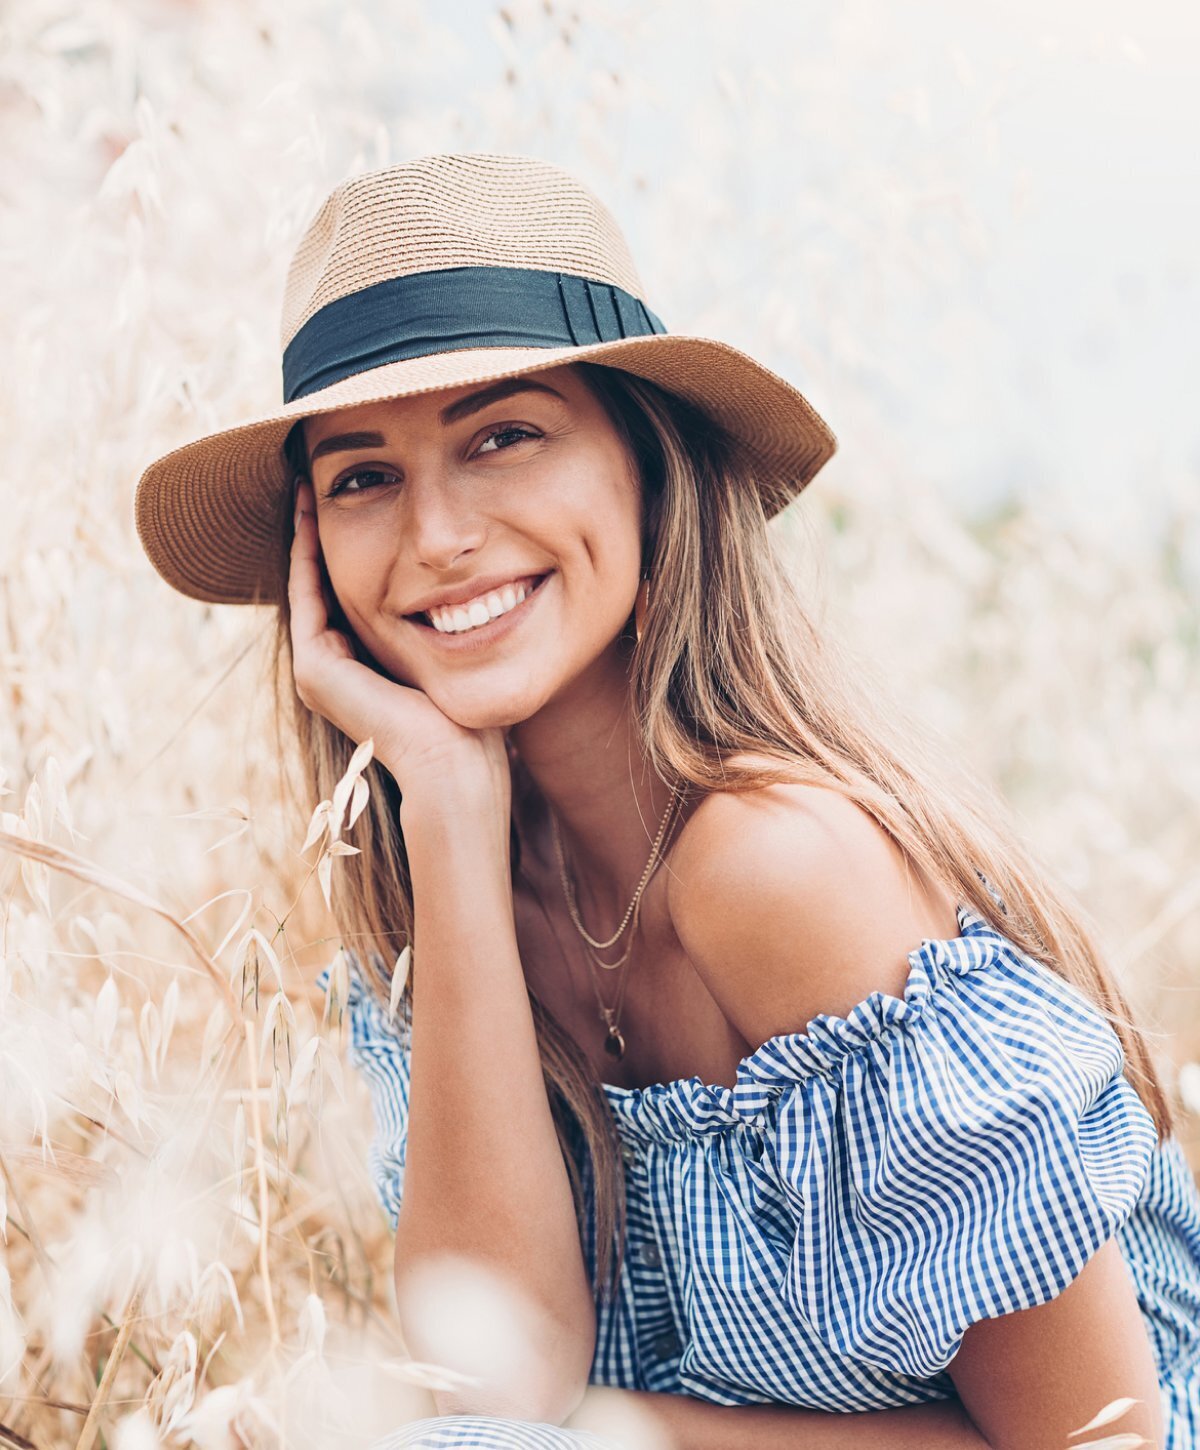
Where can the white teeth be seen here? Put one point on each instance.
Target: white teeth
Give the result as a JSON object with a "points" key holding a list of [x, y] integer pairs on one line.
{"points": [[482, 610]]}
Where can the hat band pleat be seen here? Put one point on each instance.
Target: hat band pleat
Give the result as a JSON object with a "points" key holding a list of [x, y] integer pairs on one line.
{"points": [[453, 309]]}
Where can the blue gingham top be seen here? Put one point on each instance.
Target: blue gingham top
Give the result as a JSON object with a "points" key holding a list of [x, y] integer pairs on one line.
{"points": [[822, 1233]]}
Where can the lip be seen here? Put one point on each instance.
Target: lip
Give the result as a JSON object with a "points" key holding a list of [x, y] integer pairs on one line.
{"points": [[463, 593], [486, 634]]}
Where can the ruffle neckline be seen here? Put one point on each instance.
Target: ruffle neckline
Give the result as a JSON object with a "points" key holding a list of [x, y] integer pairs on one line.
{"points": [[686, 1107], [690, 1107]]}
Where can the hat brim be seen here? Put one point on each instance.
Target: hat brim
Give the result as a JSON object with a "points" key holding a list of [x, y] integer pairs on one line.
{"points": [[212, 514]]}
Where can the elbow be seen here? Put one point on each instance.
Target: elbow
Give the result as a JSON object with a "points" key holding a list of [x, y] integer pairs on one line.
{"points": [[541, 1386], [538, 1401], [505, 1355]]}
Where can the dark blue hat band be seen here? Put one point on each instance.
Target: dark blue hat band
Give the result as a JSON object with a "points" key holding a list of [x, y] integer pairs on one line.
{"points": [[459, 307]]}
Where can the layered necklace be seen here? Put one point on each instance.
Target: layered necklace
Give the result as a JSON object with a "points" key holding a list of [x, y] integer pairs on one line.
{"points": [[614, 1042]]}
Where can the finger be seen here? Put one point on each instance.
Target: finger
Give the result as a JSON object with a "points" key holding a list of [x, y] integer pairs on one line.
{"points": [[310, 614]]}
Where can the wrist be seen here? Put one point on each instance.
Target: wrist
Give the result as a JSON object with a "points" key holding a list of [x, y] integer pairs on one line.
{"points": [[467, 779], [463, 823]]}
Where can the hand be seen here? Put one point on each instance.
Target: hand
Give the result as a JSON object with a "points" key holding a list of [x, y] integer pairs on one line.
{"points": [[413, 738]]}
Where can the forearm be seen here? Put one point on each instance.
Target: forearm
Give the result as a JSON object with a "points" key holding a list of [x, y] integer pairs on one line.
{"points": [[682, 1422], [484, 1176]]}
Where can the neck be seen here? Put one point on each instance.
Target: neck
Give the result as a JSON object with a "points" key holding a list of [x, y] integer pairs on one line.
{"points": [[584, 756]]}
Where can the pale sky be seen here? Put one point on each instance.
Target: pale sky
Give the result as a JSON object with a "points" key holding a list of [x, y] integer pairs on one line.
{"points": [[983, 218]]}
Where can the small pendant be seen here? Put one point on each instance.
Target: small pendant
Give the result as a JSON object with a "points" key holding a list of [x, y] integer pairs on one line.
{"points": [[614, 1043]]}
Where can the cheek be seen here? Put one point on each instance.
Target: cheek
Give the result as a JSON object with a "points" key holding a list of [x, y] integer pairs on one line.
{"points": [[603, 548], [347, 557], [359, 576], [359, 570], [598, 592], [606, 511]]}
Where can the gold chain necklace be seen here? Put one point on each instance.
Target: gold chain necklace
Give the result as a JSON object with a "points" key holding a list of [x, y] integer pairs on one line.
{"points": [[614, 1041], [569, 890]]}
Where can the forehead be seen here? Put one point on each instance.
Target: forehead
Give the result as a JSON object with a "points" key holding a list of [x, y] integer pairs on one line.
{"points": [[446, 406]]}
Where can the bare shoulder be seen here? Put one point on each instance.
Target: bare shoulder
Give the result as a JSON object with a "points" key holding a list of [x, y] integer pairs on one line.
{"points": [[791, 901]]}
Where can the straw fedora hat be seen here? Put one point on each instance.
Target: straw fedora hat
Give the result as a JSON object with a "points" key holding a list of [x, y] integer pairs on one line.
{"points": [[434, 273]]}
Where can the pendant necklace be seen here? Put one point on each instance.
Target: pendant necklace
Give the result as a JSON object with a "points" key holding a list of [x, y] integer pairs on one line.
{"points": [[614, 1041]]}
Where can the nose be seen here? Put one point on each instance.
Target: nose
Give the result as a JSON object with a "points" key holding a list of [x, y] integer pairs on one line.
{"points": [[441, 523]]}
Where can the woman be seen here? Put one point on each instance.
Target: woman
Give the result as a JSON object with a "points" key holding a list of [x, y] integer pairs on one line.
{"points": [[753, 1047]]}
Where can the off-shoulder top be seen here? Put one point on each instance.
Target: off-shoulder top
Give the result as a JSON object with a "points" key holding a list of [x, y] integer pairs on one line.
{"points": [[824, 1231]]}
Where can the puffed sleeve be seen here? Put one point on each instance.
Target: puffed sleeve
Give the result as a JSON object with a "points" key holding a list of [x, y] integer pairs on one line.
{"points": [[952, 1156], [379, 1049]]}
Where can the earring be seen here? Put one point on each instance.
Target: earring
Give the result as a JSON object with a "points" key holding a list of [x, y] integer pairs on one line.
{"points": [[640, 604]]}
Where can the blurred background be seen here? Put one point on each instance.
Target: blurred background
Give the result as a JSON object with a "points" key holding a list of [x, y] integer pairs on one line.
{"points": [[968, 234]]}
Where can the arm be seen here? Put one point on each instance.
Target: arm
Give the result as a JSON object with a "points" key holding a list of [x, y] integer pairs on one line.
{"points": [[679, 1422], [791, 902], [1030, 1379], [484, 1176], [1033, 1377]]}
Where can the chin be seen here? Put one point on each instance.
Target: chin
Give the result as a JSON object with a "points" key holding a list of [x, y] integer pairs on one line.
{"points": [[488, 711]]}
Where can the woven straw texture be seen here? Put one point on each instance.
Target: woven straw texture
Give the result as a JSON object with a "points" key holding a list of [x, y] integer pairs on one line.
{"points": [[452, 211], [214, 515]]}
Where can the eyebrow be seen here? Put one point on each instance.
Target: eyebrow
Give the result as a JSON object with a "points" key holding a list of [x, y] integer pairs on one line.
{"points": [[452, 413]]}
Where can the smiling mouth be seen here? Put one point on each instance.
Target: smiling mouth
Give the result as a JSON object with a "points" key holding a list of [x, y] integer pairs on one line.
{"points": [[456, 621]]}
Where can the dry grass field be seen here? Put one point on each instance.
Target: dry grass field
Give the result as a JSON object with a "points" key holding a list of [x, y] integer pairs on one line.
{"points": [[192, 1253]]}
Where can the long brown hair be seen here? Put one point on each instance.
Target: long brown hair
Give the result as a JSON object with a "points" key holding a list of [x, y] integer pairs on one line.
{"points": [[733, 667]]}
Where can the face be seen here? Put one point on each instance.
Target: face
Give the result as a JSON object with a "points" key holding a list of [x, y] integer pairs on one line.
{"points": [[438, 511]]}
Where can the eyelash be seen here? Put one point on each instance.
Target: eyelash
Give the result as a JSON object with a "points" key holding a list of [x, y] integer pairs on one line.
{"points": [[339, 485]]}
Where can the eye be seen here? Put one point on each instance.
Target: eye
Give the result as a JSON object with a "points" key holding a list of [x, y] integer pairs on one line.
{"points": [[506, 430], [364, 478]]}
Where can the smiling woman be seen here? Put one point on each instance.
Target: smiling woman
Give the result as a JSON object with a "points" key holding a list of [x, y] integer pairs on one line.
{"points": [[839, 1130], [427, 507]]}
